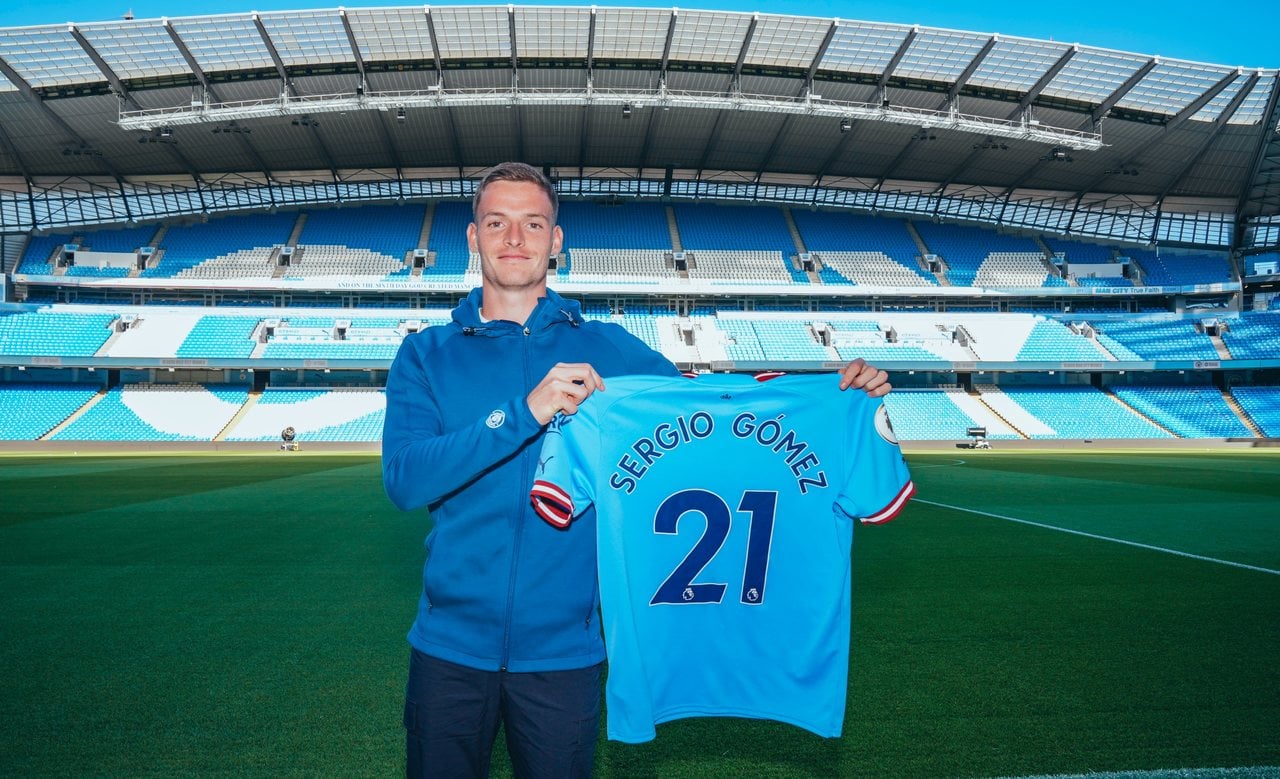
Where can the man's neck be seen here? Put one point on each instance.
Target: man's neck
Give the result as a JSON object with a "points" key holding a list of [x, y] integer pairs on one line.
{"points": [[509, 305]]}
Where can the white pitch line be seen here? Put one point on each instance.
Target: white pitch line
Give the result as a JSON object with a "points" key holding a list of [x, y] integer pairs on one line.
{"points": [[1246, 772], [1102, 538]]}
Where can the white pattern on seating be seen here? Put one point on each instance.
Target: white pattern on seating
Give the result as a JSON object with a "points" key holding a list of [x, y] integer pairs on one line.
{"points": [[1008, 408], [183, 409], [1011, 269], [615, 264], [265, 420], [158, 336], [875, 269], [740, 266]]}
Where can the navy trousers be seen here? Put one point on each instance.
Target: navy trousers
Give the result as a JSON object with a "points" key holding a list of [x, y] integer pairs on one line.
{"points": [[452, 713]]}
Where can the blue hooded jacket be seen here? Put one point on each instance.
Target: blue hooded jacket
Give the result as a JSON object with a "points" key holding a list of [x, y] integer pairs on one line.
{"points": [[502, 589]]}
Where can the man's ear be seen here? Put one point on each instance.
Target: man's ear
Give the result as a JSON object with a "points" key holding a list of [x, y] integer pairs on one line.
{"points": [[471, 237]]}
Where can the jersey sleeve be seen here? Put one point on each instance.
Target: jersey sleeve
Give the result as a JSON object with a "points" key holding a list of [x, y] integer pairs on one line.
{"points": [[563, 486], [876, 483]]}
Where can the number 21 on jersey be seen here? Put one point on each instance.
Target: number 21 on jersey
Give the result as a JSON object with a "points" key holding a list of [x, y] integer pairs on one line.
{"points": [[679, 587]]}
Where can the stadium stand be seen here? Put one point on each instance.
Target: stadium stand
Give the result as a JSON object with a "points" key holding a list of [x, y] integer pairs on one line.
{"points": [[220, 336], [127, 239], [634, 250], [1157, 339], [316, 338], [1262, 404], [448, 241], [839, 231], [708, 230], [1253, 336], [940, 414], [37, 258], [742, 266], [859, 338], [50, 333], [741, 341], [371, 240], [799, 273], [871, 268], [1169, 269], [29, 411], [155, 333], [1009, 411], [1050, 340], [926, 414], [169, 412], [779, 339], [386, 230], [1080, 251], [314, 414], [619, 266], [186, 246], [1077, 412], [1190, 412], [705, 337], [642, 325], [862, 249], [968, 250], [624, 226], [758, 228], [787, 336]]}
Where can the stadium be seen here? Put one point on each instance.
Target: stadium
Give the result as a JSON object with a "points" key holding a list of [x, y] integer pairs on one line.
{"points": [[216, 230]]}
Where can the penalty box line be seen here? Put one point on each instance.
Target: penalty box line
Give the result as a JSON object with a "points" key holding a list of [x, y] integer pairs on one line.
{"points": [[1095, 536]]}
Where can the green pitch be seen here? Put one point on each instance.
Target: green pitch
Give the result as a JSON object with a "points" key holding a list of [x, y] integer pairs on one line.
{"points": [[1028, 614]]}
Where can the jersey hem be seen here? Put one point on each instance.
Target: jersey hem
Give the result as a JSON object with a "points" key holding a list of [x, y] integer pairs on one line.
{"points": [[668, 715]]}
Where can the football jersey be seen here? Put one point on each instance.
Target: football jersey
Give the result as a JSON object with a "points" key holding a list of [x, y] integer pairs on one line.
{"points": [[725, 510]]}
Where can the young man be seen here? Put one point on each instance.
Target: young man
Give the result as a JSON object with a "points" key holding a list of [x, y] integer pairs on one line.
{"points": [[506, 630]]}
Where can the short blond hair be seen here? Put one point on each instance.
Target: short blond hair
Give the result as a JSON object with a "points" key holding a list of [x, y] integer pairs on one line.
{"points": [[516, 171]]}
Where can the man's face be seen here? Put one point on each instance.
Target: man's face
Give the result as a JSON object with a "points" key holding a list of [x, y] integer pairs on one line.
{"points": [[514, 235]]}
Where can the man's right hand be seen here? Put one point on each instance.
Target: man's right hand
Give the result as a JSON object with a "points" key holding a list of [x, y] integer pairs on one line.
{"points": [[564, 387]]}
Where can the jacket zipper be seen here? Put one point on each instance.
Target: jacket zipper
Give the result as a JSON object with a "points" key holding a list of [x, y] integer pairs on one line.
{"points": [[518, 513]]}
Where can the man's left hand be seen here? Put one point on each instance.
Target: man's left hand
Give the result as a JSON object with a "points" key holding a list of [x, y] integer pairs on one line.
{"points": [[868, 378]]}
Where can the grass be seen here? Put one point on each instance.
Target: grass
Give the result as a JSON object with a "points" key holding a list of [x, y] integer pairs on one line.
{"points": [[193, 615]]}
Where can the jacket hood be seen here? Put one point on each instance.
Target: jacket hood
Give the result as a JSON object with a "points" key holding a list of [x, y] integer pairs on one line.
{"points": [[551, 310]]}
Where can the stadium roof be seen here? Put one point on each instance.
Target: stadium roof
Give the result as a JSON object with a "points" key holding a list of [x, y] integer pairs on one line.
{"points": [[647, 92]]}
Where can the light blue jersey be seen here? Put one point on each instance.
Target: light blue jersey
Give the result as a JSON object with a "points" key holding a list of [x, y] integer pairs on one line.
{"points": [[724, 507]]}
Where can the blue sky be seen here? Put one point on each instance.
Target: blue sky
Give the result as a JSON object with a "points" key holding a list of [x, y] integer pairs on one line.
{"points": [[1236, 32]]}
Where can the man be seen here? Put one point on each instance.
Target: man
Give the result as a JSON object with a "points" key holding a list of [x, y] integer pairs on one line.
{"points": [[506, 630]]}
